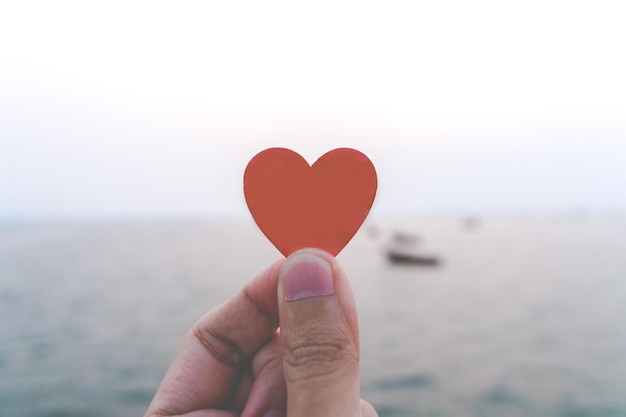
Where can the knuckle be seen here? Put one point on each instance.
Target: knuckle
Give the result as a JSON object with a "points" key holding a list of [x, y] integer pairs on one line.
{"points": [[318, 353], [367, 410], [267, 360], [222, 349]]}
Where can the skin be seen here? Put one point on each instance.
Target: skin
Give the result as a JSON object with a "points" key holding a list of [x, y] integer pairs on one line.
{"points": [[260, 354]]}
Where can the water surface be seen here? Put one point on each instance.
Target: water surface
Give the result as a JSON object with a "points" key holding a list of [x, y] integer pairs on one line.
{"points": [[525, 317]]}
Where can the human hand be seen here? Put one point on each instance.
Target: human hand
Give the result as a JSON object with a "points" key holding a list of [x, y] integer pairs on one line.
{"points": [[286, 344]]}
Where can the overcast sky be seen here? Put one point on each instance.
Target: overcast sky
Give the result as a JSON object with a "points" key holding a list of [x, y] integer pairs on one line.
{"points": [[154, 108]]}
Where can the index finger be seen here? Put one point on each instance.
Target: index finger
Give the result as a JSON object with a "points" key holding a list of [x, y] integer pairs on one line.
{"points": [[211, 355]]}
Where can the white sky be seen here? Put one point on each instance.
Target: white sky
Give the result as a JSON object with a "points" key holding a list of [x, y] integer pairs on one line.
{"points": [[154, 108]]}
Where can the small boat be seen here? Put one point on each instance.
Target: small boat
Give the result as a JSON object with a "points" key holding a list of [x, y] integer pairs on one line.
{"points": [[402, 250], [470, 223], [412, 259]]}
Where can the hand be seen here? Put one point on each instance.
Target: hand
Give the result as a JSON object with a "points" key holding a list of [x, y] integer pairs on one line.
{"points": [[286, 344]]}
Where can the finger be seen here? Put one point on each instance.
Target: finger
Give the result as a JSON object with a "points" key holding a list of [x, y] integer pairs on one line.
{"points": [[269, 393], [208, 413], [209, 359], [367, 410], [319, 333], [243, 387]]}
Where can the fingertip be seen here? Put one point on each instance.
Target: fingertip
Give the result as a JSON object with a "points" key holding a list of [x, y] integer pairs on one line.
{"points": [[367, 410], [306, 275]]}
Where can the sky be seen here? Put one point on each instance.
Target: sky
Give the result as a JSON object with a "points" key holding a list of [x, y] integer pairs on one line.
{"points": [[153, 109]]}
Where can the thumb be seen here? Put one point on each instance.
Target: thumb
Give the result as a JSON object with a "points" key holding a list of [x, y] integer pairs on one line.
{"points": [[319, 337]]}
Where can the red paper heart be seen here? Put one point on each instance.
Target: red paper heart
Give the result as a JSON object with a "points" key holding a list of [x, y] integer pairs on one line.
{"points": [[320, 206]]}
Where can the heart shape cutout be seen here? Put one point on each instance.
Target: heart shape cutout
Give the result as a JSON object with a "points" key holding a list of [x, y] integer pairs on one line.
{"points": [[297, 205]]}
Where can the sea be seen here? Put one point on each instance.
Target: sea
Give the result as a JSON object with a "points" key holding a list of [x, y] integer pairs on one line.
{"points": [[523, 316]]}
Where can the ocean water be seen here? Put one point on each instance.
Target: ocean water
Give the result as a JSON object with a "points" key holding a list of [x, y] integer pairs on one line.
{"points": [[524, 317]]}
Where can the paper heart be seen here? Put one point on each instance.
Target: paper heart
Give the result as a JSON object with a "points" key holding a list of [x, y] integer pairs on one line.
{"points": [[322, 206]]}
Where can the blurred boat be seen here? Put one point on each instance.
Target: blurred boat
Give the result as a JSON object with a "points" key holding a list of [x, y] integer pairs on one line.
{"points": [[403, 250], [412, 259], [470, 223]]}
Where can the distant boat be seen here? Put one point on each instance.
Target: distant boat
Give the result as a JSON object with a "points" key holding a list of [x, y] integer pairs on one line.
{"points": [[412, 259], [470, 223], [403, 250]]}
